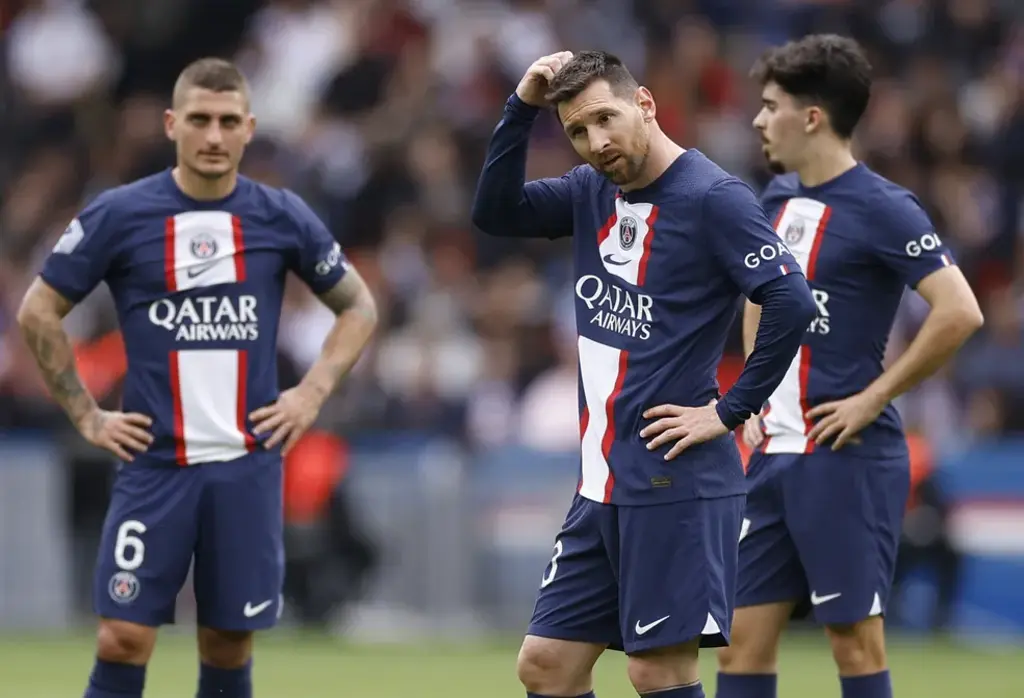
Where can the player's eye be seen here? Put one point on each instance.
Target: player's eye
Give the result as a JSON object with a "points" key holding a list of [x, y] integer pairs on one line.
{"points": [[578, 132], [604, 118], [198, 119]]}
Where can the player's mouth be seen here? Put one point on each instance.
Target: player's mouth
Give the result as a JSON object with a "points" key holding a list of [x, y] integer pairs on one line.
{"points": [[610, 162]]}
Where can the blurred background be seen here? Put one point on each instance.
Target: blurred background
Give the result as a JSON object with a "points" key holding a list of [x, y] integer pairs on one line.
{"points": [[422, 508]]}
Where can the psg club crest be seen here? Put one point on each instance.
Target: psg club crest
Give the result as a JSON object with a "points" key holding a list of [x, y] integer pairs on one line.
{"points": [[203, 246], [794, 232], [123, 587], [627, 232]]}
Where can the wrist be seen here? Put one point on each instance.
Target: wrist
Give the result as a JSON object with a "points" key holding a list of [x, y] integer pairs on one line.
{"points": [[730, 419], [520, 108], [316, 388]]}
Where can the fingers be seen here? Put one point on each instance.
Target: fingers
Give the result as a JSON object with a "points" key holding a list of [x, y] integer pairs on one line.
{"points": [[658, 427], [262, 413], [136, 419], [821, 410], [279, 435], [827, 429], [664, 411], [119, 451], [293, 438], [752, 435], [666, 436], [269, 423], [680, 446]]}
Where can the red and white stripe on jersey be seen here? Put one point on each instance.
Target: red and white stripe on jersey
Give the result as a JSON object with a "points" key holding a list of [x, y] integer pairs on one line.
{"points": [[624, 242], [208, 386], [203, 248], [801, 223], [602, 372]]}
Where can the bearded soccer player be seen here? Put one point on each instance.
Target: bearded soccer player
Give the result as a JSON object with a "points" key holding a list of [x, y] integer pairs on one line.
{"points": [[196, 259], [665, 243], [829, 480]]}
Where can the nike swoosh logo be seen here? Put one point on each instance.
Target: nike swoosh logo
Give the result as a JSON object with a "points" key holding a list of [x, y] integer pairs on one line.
{"points": [[193, 272], [251, 610], [610, 259], [641, 629], [818, 600]]}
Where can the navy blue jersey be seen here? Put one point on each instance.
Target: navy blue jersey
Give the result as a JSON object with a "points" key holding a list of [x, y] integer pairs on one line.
{"points": [[861, 240], [198, 288], [659, 271]]}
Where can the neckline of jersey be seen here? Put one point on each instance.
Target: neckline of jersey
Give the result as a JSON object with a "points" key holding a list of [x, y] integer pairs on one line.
{"points": [[199, 203], [825, 186], [661, 179]]}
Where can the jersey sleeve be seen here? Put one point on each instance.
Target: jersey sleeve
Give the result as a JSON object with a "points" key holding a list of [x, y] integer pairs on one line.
{"points": [[82, 256], [906, 242], [742, 239], [320, 262]]}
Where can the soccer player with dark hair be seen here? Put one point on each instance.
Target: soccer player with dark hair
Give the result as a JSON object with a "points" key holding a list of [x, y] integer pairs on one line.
{"points": [[665, 243], [196, 259], [830, 475]]}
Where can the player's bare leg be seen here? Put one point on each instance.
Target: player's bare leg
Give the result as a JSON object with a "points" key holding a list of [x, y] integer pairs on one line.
{"points": [[225, 662], [747, 668], [551, 668], [122, 651], [859, 652], [667, 672]]}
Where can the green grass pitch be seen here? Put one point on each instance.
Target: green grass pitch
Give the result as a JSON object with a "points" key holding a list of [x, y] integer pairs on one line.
{"points": [[290, 666]]}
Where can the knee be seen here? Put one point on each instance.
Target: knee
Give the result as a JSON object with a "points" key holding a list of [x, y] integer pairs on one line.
{"points": [[858, 648], [543, 668], [121, 642], [657, 670], [225, 649], [748, 655]]}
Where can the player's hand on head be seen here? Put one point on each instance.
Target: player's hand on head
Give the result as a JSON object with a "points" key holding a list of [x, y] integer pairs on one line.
{"points": [[121, 433], [753, 431], [842, 420], [287, 419], [686, 426], [535, 82]]}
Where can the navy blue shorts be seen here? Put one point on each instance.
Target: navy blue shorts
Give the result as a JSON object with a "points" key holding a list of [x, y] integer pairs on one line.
{"points": [[228, 516], [823, 528], [640, 577]]}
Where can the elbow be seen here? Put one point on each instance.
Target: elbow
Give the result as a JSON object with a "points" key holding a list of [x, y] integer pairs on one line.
{"points": [[966, 320]]}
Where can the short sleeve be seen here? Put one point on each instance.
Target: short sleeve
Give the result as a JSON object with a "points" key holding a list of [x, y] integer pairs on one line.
{"points": [[742, 239], [81, 258], [320, 262], [906, 242]]}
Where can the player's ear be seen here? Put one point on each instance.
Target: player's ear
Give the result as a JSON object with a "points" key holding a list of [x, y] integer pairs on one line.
{"points": [[814, 119], [251, 130], [645, 102], [169, 120]]}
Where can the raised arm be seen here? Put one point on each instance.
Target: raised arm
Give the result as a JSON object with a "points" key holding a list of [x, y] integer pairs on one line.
{"points": [[506, 204]]}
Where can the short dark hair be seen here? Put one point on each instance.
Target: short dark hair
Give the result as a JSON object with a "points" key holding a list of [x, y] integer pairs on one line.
{"points": [[826, 69], [586, 68], [214, 74]]}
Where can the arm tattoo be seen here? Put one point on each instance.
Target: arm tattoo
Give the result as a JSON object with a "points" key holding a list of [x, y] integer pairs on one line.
{"points": [[351, 294], [40, 318]]}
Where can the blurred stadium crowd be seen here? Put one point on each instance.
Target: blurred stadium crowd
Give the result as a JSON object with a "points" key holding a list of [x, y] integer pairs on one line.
{"points": [[378, 112]]}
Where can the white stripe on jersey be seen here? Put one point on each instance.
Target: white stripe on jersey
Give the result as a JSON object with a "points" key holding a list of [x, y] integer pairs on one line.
{"points": [[209, 401], [204, 246], [602, 370], [624, 249], [801, 224]]}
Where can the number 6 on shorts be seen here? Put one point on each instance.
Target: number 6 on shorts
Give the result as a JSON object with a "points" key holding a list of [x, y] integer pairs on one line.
{"points": [[128, 541]]}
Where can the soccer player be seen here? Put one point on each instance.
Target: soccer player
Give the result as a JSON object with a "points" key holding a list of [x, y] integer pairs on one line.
{"points": [[195, 258], [664, 242], [829, 481]]}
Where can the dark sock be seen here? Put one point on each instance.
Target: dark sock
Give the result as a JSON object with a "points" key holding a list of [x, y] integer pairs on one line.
{"points": [[541, 695], [225, 683], [694, 690], [871, 686], [746, 685], [113, 680]]}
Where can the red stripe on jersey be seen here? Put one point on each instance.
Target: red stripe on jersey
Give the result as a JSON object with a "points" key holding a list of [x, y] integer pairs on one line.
{"points": [[641, 273], [172, 282], [606, 229], [805, 376], [779, 215], [609, 431], [179, 415], [243, 408], [584, 421], [236, 233], [812, 258]]}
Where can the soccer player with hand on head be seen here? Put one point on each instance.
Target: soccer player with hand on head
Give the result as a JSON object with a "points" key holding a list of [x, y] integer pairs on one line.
{"points": [[196, 258], [664, 244], [830, 476]]}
